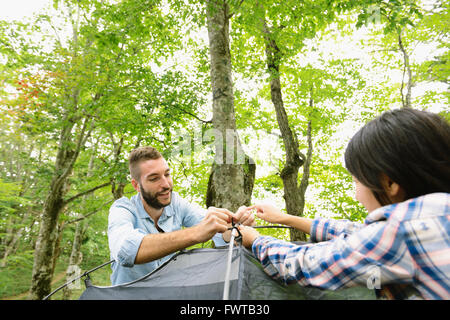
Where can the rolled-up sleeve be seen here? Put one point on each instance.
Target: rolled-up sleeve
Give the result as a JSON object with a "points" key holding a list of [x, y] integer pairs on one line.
{"points": [[327, 229], [124, 239]]}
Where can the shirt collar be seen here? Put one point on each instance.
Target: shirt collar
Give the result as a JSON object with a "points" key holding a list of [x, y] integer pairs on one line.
{"points": [[433, 201], [384, 213]]}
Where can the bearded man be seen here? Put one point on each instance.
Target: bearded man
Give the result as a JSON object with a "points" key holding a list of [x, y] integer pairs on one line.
{"points": [[146, 230]]}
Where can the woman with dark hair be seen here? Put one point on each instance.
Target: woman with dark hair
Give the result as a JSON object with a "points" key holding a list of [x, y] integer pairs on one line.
{"points": [[400, 163], [406, 146]]}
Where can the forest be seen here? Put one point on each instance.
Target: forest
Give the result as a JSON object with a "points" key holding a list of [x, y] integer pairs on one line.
{"points": [[248, 100]]}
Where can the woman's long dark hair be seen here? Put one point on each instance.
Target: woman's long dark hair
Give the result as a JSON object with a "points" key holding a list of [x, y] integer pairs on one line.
{"points": [[411, 147]]}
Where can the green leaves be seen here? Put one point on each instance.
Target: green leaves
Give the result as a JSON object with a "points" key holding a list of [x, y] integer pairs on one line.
{"points": [[394, 14], [136, 72]]}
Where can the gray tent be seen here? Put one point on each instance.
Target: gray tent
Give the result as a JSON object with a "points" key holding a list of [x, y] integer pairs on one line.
{"points": [[199, 274]]}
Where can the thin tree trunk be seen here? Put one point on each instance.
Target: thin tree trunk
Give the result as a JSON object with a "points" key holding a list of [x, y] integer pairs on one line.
{"points": [[294, 233], [75, 256], [13, 234], [80, 229], [231, 180], [294, 195], [406, 99], [14, 237], [118, 185], [57, 250]]}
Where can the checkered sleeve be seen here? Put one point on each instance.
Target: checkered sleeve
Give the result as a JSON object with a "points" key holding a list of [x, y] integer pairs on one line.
{"points": [[327, 229], [371, 255]]}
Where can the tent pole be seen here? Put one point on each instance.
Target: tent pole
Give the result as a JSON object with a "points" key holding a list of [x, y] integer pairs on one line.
{"points": [[226, 289], [86, 274]]}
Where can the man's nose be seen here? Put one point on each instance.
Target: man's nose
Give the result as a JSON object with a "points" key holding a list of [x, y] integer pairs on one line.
{"points": [[165, 182]]}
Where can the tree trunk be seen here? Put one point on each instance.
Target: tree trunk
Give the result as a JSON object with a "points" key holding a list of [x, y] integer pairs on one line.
{"points": [[75, 256], [45, 245], [231, 180], [294, 195], [80, 229], [295, 234], [406, 99], [117, 184], [117, 189], [57, 250], [13, 236], [11, 240], [68, 151]]}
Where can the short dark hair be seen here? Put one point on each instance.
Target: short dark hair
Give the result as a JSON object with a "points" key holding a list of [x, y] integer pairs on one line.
{"points": [[137, 156], [411, 147]]}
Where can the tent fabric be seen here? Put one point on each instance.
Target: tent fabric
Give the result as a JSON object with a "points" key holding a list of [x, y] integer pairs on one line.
{"points": [[198, 274]]}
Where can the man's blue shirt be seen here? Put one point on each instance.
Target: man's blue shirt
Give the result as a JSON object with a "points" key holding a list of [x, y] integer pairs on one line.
{"points": [[128, 223]]}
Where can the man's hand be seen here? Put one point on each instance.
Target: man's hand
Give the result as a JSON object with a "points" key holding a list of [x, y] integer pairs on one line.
{"points": [[249, 235], [245, 216], [217, 220], [156, 246]]}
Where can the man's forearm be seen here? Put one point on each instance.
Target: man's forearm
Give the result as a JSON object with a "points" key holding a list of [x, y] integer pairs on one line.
{"points": [[156, 246]]}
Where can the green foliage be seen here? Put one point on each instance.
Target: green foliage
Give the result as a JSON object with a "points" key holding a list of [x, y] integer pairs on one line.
{"points": [[337, 191], [120, 65], [270, 183], [9, 198], [15, 278]]}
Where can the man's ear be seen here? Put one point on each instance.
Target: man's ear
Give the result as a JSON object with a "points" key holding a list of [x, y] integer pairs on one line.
{"points": [[393, 189], [135, 185]]}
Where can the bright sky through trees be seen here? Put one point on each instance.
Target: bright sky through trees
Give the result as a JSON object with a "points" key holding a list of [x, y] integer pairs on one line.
{"points": [[85, 82], [17, 9]]}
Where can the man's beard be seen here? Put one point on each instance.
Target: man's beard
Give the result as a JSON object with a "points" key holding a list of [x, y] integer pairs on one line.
{"points": [[152, 199]]}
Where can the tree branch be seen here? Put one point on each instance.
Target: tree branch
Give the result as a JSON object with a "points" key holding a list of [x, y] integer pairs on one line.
{"points": [[90, 213], [86, 192], [406, 102], [306, 167], [230, 15], [193, 115], [95, 211]]}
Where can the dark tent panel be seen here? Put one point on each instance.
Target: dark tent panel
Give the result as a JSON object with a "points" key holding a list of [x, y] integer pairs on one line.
{"points": [[199, 274]]}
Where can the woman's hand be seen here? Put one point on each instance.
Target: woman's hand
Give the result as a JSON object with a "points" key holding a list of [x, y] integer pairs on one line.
{"points": [[269, 213]]}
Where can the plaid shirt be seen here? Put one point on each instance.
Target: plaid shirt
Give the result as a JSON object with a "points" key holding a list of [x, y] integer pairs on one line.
{"points": [[403, 249]]}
